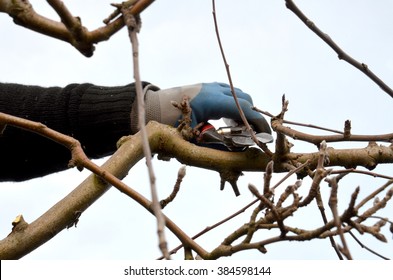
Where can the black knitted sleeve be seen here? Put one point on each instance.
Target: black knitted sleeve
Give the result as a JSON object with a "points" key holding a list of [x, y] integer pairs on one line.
{"points": [[96, 116]]}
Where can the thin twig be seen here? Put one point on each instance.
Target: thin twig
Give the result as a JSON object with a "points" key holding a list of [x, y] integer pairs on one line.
{"points": [[290, 173], [297, 123], [388, 137], [321, 208], [291, 189], [373, 194], [365, 172], [176, 188], [340, 52], [270, 205], [316, 139], [267, 177], [242, 116], [333, 201], [133, 25], [282, 147], [366, 247], [209, 228], [376, 206], [320, 173]]}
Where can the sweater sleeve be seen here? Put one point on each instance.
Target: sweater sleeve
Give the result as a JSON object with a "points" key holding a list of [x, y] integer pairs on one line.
{"points": [[96, 116]]}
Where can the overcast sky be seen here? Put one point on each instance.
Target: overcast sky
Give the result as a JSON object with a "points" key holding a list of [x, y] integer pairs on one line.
{"points": [[270, 52]]}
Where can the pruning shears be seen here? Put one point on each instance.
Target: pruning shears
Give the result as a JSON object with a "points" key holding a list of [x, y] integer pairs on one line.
{"points": [[233, 138]]}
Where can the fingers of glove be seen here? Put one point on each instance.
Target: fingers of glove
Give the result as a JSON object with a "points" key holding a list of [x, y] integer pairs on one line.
{"points": [[209, 107], [254, 118], [226, 90], [260, 125]]}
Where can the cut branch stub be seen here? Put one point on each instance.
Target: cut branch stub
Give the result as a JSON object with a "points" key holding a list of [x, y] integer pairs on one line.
{"points": [[19, 224], [230, 177]]}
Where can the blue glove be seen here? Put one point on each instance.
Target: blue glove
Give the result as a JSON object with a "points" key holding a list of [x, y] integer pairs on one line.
{"points": [[208, 101]]}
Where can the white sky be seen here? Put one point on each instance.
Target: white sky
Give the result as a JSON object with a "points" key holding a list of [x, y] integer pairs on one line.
{"points": [[270, 52]]}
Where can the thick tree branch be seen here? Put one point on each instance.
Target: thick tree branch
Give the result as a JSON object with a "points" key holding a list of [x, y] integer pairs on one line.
{"points": [[165, 141], [27, 237]]}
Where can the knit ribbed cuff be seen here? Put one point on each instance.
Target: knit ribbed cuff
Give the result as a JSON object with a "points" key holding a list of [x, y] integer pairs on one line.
{"points": [[152, 108]]}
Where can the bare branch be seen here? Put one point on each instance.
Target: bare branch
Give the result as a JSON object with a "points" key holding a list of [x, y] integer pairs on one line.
{"points": [[377, 206], [297, 123], [133, 24], [282, 145], [366, 247], [290, 190], [316, 139], [341, 54], [321, 208], [333, 201], [270, 206], [353, 170], [267, 178], [319, 175], [373, 194]]}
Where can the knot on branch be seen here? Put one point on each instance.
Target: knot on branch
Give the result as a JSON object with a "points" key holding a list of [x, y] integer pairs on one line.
{"points": [[347, 129]]}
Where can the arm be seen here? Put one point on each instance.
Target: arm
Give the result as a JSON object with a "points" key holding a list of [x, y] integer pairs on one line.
{"points": [[96, 116]]}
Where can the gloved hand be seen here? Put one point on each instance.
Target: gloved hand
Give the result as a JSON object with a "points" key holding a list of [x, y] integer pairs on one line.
{"points": [[208, 101]]}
